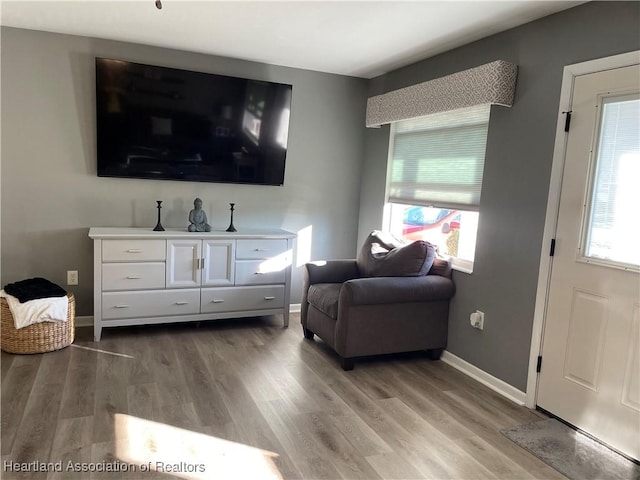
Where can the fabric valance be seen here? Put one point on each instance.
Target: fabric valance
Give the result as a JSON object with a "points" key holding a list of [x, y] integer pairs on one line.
{"points": [[493, 83]]}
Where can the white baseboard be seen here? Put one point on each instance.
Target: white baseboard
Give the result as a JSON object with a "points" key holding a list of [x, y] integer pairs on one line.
{"points": [[483, 377], [295, 308]]}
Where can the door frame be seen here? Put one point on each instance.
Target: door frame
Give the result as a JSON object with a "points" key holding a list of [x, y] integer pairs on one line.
{"points": [[570, 72]]}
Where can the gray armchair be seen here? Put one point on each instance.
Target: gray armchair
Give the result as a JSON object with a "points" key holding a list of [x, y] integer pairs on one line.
{"points": [[388, 302]]}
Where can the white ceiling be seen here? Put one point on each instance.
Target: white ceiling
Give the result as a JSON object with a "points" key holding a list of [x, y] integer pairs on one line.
{"points": [[357, 38]]}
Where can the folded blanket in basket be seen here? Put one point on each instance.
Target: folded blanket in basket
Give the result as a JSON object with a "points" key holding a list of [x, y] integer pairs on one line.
{"points": [[54, 309], [34, 288]]}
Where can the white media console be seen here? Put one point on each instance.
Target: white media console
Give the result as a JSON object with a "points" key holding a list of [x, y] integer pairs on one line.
{"points": [[144, 277]]}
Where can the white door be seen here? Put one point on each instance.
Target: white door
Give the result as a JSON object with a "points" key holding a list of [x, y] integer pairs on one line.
{"points": [[590, 373], [183, 263], [219, 262]]}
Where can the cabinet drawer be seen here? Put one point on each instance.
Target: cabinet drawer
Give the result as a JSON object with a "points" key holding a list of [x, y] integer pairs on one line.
{"points": [[260, 248], [152, 303], [133, 276], [229, 299], [258, 272], [133, 250]]}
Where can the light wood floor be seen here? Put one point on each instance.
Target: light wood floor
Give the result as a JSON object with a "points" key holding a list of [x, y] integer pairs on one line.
{"points": [[249, 399]]}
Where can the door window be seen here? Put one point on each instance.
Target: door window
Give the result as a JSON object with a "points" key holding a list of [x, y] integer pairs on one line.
{"points": [[612, 233]]}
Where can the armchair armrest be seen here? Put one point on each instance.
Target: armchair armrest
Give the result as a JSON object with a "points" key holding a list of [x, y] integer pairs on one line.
{"points": [[331, 271], [386, 290]]}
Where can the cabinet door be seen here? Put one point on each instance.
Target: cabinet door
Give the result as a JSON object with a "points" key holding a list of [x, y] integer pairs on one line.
{"points": [[183, 263], [219, 258]]}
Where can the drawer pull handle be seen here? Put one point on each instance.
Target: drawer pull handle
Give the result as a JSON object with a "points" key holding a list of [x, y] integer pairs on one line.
{"points": [[217, 300], [134, 250], [182, 303], [258, 273], [121, 306], [269, 298], [134, 277], [260, 250]]}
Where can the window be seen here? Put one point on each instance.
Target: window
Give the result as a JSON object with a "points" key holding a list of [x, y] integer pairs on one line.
{"points": [[434, 180], [612, 232]]}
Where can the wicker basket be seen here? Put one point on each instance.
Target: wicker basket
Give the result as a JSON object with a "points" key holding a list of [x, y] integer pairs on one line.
{"points": [[40, 337]]}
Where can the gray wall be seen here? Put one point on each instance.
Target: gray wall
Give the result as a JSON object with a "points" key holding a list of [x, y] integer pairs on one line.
{"points": [[516, 176], [51, 195]]}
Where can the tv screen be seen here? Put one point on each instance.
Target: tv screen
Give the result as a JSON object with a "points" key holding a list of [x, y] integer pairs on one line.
{"points": [[164, 123]]}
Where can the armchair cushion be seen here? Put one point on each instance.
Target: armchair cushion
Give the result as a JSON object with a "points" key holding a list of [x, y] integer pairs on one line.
{"points": [[384, 256]]}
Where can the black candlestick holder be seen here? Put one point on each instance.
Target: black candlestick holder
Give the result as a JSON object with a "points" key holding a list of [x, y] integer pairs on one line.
{"points": [[159, 227], [231, 227]]}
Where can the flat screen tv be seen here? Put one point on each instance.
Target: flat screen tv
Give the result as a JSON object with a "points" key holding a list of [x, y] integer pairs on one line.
{"points": [[165, 123]]}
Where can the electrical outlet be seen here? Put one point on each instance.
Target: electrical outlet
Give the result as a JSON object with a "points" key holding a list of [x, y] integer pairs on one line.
{"points": [[72, 277], [477, 319]]}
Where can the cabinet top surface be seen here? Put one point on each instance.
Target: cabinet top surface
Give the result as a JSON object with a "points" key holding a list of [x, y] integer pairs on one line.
{"points": [[99, 233]]}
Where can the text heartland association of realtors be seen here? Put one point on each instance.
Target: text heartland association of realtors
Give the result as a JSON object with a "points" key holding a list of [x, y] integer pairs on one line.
{"points": [[70, 466]]}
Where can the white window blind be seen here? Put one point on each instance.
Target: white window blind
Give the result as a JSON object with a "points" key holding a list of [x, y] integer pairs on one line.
{"points": [[438, 160], [613, 233]]}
